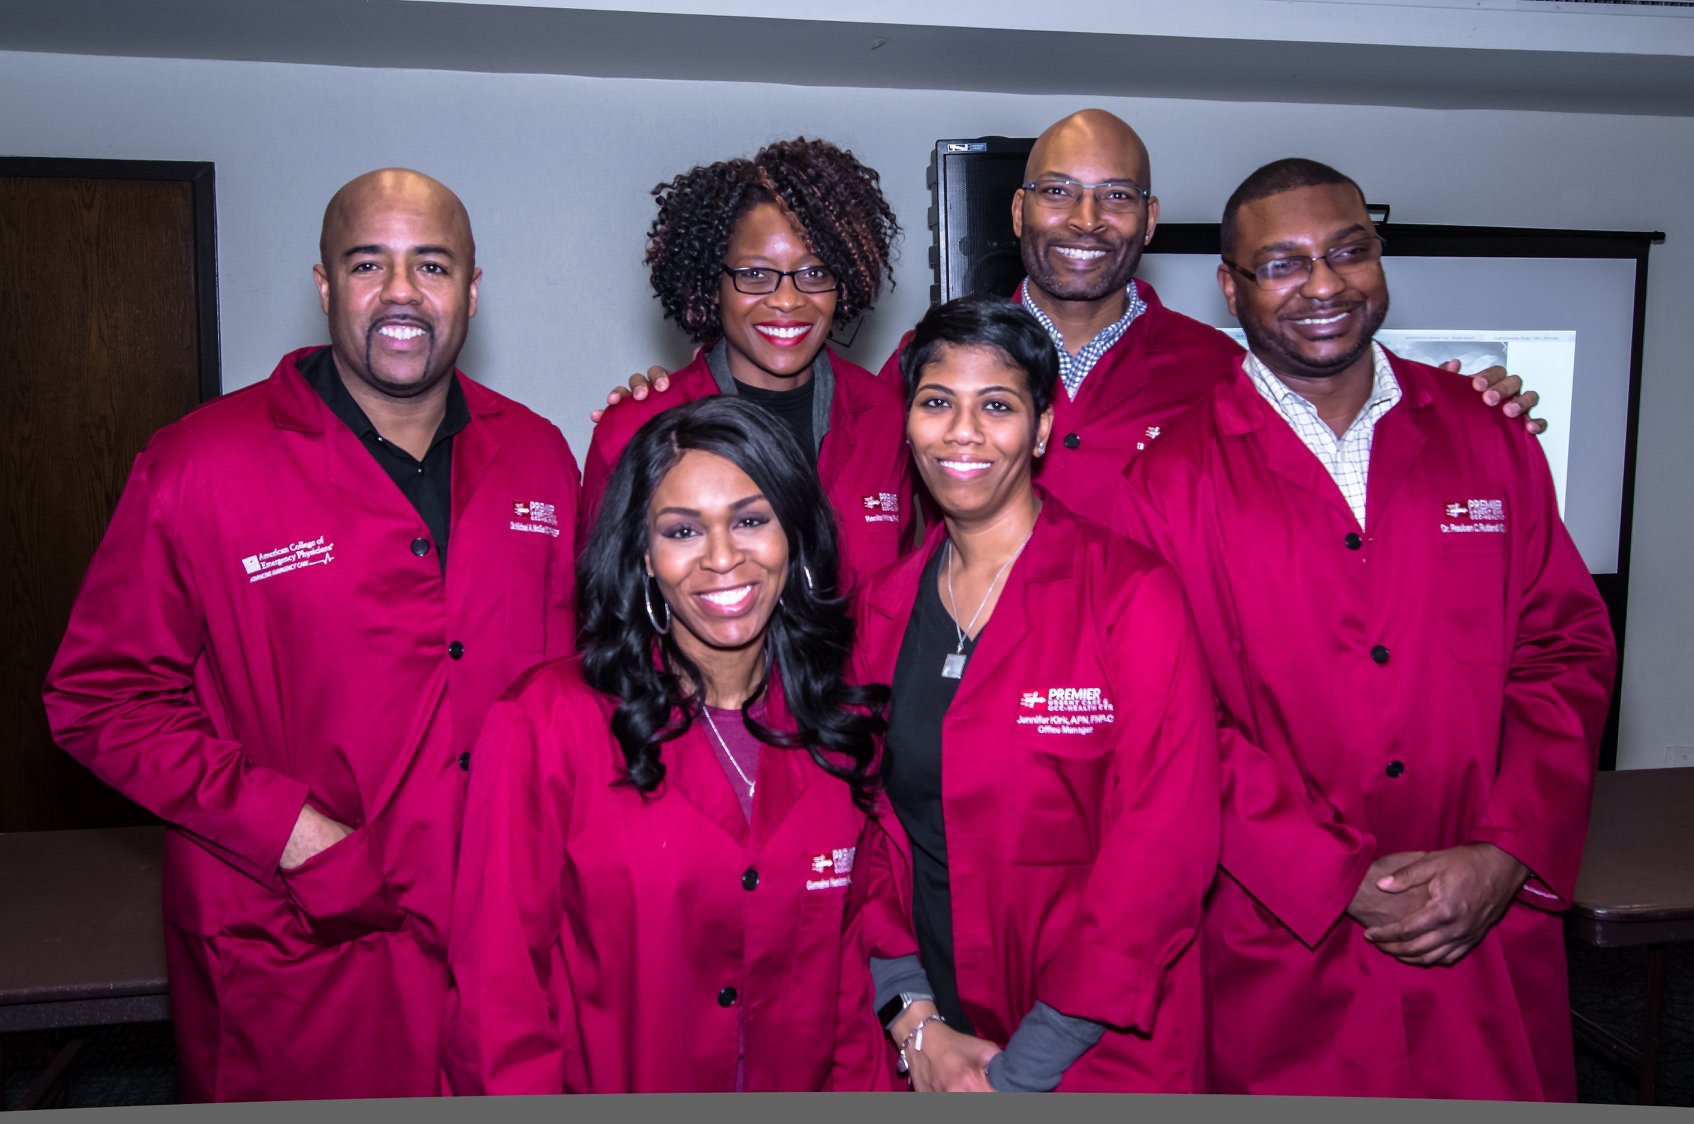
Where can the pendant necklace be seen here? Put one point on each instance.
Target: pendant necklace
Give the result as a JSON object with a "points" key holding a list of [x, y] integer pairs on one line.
{"points": [[706, 712], [953, 667]]}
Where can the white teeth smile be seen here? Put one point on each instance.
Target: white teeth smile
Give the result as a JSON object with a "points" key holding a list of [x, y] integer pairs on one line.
{"points": [[786, 333], [965, 466], [399, 332], [1079, 255], [728, 598], [1336, 319]]}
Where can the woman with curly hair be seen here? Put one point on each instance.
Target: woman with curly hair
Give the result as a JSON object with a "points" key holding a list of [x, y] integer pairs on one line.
{"points": [[661, 830], [757, 260]]}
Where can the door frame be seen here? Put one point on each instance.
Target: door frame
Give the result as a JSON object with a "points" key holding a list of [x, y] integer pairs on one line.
{"points": [[199, 175]]}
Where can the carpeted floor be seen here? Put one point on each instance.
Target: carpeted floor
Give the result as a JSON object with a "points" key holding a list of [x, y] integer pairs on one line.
{"points": [[136, 1065]]}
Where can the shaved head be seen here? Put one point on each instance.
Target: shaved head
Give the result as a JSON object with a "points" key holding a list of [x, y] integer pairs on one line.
{"points": [[398, 281], [1080, 256], [388, 188], [1105, 136]]}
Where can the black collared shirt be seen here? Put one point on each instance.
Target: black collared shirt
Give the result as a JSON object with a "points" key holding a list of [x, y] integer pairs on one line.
{"points": [[426, 484]]}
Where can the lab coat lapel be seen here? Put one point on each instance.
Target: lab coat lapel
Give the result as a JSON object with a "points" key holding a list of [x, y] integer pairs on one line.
{"points": [[1008, 627], [294, 405], [886, 610], [475, 447], [783, 774], [1244, 413], [693, 772], [1395, 446]]}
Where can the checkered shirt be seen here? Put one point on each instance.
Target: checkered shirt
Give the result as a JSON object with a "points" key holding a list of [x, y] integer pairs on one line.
{"points": [[1072, 370], [1346, 457]]}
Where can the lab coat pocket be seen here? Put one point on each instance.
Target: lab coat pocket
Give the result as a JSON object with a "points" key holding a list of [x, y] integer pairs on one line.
{"points": [[340, 893], [1472, 601], [1058, 804]]}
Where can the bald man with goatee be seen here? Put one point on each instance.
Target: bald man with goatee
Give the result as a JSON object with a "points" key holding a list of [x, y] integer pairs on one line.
{"points": [[276, 652]]}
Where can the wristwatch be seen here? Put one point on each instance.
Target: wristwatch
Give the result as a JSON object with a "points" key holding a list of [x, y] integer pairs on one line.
{"points": [[896, 1007]]}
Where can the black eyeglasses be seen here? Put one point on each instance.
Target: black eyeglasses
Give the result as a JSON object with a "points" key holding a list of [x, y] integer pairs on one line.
{"points": [[756, 280], [1114, 196], [1293, 269]]}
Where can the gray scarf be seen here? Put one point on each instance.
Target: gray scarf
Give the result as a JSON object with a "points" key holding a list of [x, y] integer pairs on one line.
{"points": [[823, 392]]}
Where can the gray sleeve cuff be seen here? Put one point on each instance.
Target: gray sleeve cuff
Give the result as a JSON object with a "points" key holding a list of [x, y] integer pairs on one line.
{"points": [[1041, 1049], [903, 973]]}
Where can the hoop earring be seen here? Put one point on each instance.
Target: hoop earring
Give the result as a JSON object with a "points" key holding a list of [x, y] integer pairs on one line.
{"points": [[647, 602], [811, 583]]}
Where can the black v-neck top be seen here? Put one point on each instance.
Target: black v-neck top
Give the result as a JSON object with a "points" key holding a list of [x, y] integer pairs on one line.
{"points": [[921, 698]]}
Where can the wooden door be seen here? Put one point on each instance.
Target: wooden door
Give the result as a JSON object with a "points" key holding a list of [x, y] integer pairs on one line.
{"points": [[107, 332]]}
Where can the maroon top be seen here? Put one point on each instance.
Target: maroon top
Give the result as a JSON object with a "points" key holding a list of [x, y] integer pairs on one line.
{"points": [[743, 751]]}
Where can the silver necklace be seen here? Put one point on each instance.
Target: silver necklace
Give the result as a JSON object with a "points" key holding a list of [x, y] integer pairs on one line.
{"points": [[706, 712], [953, 667]]}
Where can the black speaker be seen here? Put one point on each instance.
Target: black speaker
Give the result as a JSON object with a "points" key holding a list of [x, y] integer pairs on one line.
{"points": [[972, 248]]}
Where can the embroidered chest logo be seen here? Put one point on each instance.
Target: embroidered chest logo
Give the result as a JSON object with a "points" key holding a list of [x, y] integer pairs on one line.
{"points": [[1066, 710], [287, 559], [1151, 433], [834, 869], [1471, 517], [535, 517], [884, 507]]}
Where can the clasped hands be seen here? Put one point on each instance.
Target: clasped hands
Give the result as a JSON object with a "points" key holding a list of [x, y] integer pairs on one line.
{"points": [[1430, 908]]}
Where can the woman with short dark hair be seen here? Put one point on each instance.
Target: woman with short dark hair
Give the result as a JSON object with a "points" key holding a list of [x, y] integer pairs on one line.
{"points": [[1031, 905], [758, 261], [660, 831]]}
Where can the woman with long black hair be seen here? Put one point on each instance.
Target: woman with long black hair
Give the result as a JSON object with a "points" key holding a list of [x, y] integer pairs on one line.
{"points": [[1052, 758], [660, 832]]}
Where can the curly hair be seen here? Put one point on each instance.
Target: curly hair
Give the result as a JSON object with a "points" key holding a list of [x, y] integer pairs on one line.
{"points": [[834, 201], [807, 641]]}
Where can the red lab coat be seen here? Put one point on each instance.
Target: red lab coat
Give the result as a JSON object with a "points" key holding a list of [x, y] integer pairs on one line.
{"points": [[208, 678], [606, 942], [1160, 367], [1481, 725], [1079, 784], [863, 464]]}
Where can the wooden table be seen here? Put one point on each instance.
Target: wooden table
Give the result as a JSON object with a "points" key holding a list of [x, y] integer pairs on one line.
{"points": [[1637, 888], [81, 934]]}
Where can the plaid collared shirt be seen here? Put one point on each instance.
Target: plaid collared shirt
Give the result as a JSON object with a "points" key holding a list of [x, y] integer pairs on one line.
{"points": [[1346, 457], [1073, 370]]}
